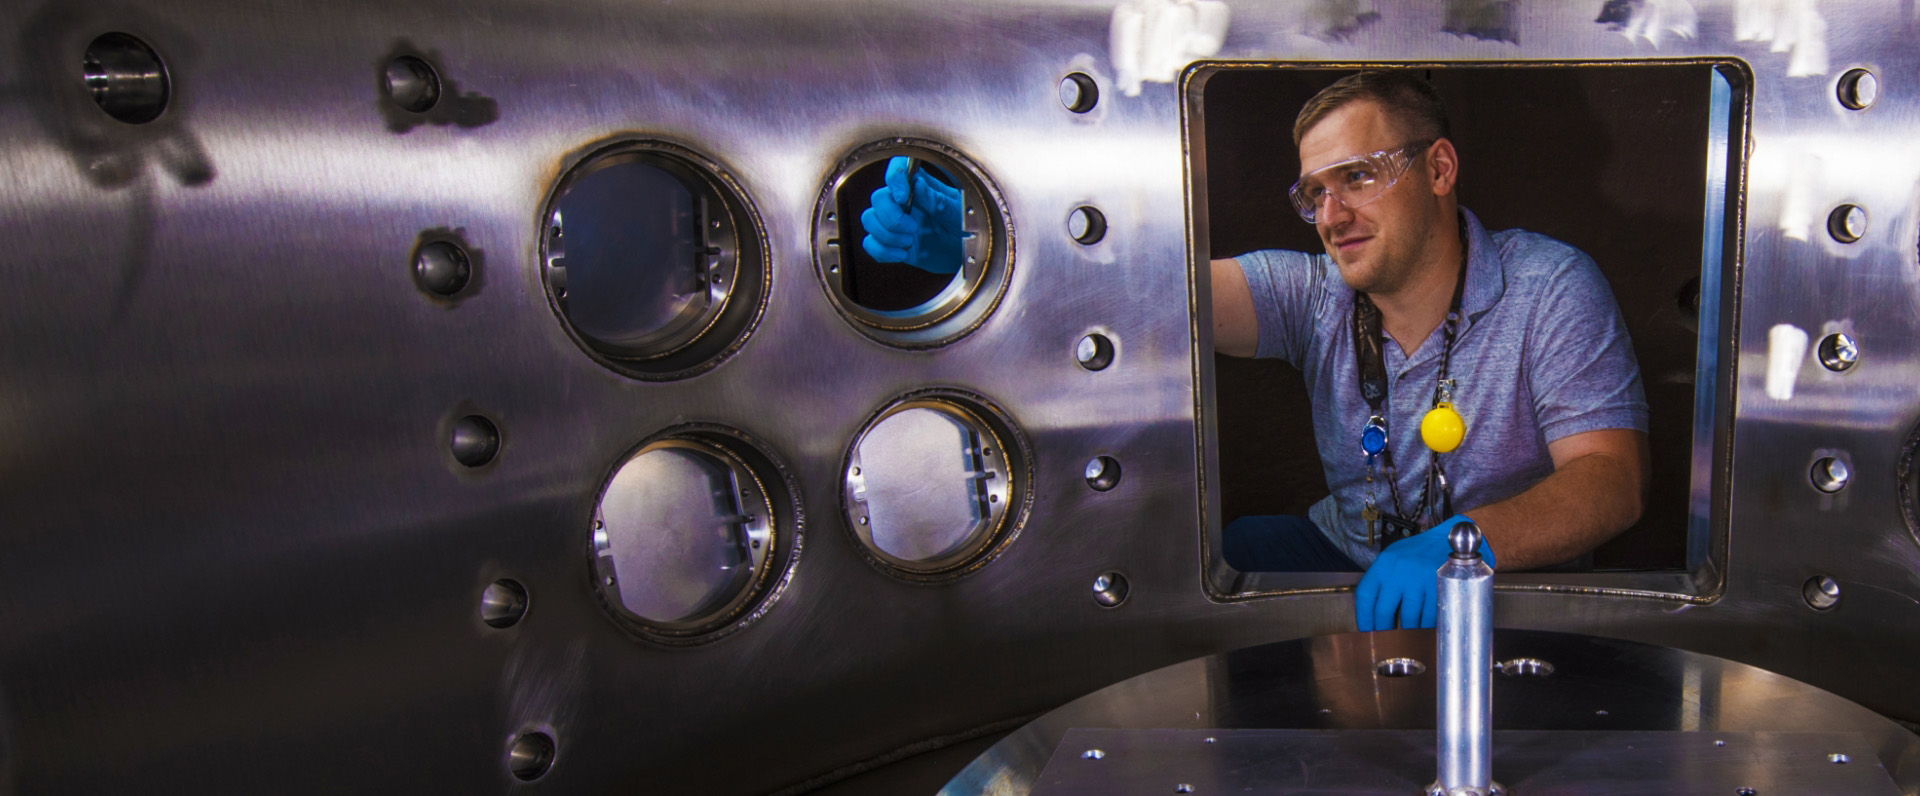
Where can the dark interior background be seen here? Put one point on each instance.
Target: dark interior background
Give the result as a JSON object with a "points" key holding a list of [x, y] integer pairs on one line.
{"points": [[1611, 159]]}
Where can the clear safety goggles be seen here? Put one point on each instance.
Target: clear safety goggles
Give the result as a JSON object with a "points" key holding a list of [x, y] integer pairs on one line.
{"points": [[1353, 182]]}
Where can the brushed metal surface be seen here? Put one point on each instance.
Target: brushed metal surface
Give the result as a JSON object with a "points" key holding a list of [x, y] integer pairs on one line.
{"points": [[1399, 762], [1597, 688], [238, 554]]}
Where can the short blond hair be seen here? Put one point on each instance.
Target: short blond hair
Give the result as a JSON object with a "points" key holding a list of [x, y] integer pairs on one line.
{"points": [[1407, 97]]}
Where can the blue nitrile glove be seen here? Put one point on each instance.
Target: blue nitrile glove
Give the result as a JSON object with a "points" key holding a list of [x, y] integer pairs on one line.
{"points": [[926, 237], [1404, 579]]}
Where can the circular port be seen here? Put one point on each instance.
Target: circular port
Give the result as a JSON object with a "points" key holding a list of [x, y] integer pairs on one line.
{"points": [[653, 259], [1094, 352], [1830, 475], [474, 441], [1078, 92], [1838, 352], [413, 84], [1847, 223], [126, 78], [1103, 473], [936, 483], [503, 603], [1400, 667], [1858, 89], [912, 243], [441, 267], [1525, 667], [530, 756], [1086, 225], [1110, 589], [693, 531], [1821, 592]]}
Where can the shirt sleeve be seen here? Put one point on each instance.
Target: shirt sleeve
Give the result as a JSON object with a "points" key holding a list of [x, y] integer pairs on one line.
{"points": [[1286, 287], [1582, 372]]}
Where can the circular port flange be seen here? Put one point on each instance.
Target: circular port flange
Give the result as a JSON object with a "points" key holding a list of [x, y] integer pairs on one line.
{"points": [[530, 756], [126, 78], [1858, 89], [1079, 92], [1821, 592], [412, 83], [963, 252], [693, 535], [935, 484], [503, 603], [1110, 589], [653, 259], [1400, 667]]}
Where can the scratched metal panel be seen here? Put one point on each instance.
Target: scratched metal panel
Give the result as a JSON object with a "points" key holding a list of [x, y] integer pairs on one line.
{"points": [[238, 557]]}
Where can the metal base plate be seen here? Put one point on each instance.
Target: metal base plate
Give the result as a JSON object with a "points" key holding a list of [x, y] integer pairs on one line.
{"points": [[1118, 762]]}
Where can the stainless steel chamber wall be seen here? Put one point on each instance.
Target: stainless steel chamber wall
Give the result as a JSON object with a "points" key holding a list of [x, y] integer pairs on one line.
{"points": [[301, 453]]}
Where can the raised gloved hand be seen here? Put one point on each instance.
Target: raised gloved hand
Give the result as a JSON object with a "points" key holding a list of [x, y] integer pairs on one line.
{"points": [[926, 235], [1404, 579]]}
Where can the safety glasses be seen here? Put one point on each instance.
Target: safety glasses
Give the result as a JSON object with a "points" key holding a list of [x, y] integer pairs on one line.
{"points": [[1353, 182]]}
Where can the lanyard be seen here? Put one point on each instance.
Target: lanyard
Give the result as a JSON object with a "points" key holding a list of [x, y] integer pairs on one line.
{"points": [[1371, 370]]}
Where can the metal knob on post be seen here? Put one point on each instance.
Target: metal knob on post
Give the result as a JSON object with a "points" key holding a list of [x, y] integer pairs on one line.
{"points": [[1464, 747]]}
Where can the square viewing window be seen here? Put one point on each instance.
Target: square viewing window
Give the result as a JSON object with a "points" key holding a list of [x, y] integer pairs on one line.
{"points": [[1637, 164]]}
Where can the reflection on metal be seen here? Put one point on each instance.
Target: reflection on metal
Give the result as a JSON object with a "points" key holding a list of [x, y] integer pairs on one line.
{"points": [[653, 259], [1326, 690], [1400, 667], [1821, 592], [1847, 223], [939, 309], [412, 84], [441, 267], [1858, 89], [690, 535], [1103, 473], [530, 756], [503, 603], [1086, 225], [1525, 667], [1110, 589], [1391, 762], [1079, 92], [1464, 648], [474, 441], [1830, 474], [1838, 352], [126, 78], [934, 483]]}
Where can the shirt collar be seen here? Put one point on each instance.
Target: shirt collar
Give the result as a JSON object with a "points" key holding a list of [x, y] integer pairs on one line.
{"points": [[1486, 277]]}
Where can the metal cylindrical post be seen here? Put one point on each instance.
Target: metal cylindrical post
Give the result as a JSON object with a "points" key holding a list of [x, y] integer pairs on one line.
{"points": [[1465, 636]]}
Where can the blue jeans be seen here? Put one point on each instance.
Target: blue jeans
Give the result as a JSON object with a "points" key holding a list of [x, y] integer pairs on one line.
{"points": [[1281, 543]]}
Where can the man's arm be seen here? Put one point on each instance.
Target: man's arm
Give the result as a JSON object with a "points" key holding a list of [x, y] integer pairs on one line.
{"points": [[1597, 489], [1235, 332]]}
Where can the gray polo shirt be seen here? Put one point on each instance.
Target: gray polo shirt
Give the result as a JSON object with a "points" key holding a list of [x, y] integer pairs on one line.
{"points": [[1541, 354]]}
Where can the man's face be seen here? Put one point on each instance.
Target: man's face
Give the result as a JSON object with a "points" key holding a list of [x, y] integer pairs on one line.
{"points": [[1377, 245]]}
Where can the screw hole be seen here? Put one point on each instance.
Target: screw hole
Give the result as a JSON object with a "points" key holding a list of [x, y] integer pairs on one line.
{"points": [[1110, 589], [1103, 473], [413, 84], [1400, 667], [530, 756], [1079, 93], [126, 78], [503, 603], [1086, 225]]}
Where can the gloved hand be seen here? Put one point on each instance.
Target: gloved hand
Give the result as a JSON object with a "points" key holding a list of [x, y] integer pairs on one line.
{"points": [[1404, 579], [926, 237]]}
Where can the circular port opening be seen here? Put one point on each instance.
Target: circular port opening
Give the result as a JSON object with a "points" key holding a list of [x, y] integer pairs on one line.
{"points": [[530, 756], [126, 78], [692, 531], [1847, 223], [1400, 667], [1103, 473], [474, 441], [1838, 352], [1086, 225], [1094, 352], [1525, 667], [503, 603], [653, 259], [1858, 89], [1821, 592], [413, 84], [1830, 475], [911, 243], [442, 267], [935, 483], [1079, 93]]}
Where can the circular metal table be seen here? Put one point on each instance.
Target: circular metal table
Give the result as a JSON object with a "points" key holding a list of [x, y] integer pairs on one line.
{"points": [[1337, 682]]}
